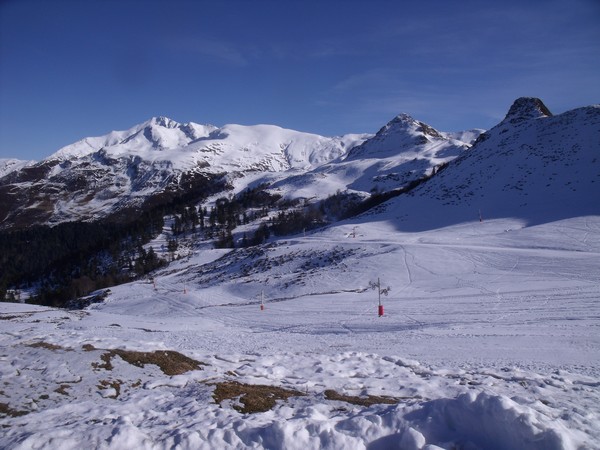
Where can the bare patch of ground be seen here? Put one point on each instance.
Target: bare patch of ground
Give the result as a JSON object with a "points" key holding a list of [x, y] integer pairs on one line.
{"points": [[115, 384], [369, 400], [169, 361], [253, 397], [47, 346], [62, 389], [6, 410]]}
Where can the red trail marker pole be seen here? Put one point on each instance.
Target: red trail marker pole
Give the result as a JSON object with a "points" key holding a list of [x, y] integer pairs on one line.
{"points": [[380, 291]]}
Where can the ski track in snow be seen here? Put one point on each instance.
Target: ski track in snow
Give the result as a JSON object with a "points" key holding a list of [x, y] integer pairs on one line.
{"points": [[489, 340]]}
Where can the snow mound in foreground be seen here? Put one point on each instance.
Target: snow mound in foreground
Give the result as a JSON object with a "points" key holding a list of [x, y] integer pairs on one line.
{"points": [[470, 421], [481, 420]]}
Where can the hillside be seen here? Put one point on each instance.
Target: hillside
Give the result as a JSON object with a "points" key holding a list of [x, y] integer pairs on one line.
{"points": [[532, 166], [401, 152], [487, 342], [486, 257]]}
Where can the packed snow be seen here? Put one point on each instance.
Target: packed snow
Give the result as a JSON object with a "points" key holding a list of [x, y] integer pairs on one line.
{"points": [[489, 340]]}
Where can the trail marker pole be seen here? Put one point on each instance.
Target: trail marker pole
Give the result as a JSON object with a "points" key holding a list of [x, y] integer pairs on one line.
{"points": [[262, 300], [380, 310], [380, 291]]}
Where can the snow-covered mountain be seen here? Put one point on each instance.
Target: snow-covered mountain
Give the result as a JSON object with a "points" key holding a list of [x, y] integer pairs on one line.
{"points": [[158, 133], [533, 165], [226, 149], [8, 165], [404, 150], [531, 157], [153, 162], [121, 172]]}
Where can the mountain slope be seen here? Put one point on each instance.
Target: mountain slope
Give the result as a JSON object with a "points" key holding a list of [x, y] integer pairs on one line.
{"points": [[158, 133], [532, 166], [231, 147], [121, 173], [402, 151]]}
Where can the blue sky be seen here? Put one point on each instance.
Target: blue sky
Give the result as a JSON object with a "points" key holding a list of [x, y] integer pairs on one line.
{"points": [[71, 69]]}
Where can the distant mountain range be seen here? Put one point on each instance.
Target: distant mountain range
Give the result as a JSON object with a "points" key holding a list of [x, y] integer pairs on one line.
{"points": [[120, 174], [531, 160]]}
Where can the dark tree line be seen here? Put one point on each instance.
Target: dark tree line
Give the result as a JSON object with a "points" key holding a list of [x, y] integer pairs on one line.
{"points": [[75, 258], [246, 207], [297, 221], [188, 219]]}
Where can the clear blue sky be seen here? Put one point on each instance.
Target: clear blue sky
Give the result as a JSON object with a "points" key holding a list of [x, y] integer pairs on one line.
{"points": [[74, 68]]}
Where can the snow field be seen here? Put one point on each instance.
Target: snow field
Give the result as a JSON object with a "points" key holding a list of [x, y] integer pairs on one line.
{"points": [[506, 408], [489, 340]]}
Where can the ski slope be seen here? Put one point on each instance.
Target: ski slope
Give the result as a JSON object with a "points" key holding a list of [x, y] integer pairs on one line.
{"points": [[489, 341]]}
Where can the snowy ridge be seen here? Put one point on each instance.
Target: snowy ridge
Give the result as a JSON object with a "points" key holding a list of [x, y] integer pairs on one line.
{"points": [[8, 165], [269, 148], [231, 147], [401, 134], [401, 152], [156, 133]]}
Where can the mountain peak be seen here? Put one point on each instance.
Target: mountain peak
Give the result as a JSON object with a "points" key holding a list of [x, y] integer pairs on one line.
{"points": [[406, 123], [401, 134], [525, 108], [162, 121], [402, 119]]}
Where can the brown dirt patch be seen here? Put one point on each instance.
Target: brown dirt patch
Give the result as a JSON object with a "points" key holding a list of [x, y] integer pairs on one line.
{"points": [[6, 410], [115, 384], [46, 345], [369, 400], [62, 389], [253, 397], [169, 361]]}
